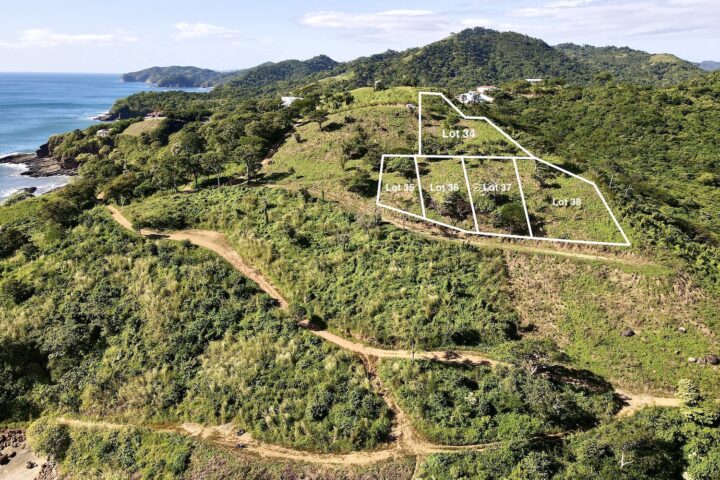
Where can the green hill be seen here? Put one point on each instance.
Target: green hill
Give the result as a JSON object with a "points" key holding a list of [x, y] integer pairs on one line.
{"points": [[174, 76], [463, 60], [254, 77], [632, 66]]}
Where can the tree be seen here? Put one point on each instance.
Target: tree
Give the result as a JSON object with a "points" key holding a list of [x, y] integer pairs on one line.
{"points": [[214, 162], [188, 146], [533, 354], [167, 170], [11, 239], [250, 154], [689, 393], [456, 206], [318, 116], [512, 216]]}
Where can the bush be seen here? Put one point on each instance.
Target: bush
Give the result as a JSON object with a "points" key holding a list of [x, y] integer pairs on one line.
{"points": [[16, 290], [11, 239], [47, 436]]}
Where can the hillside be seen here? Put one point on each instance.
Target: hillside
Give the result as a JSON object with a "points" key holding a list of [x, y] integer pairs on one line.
{"points": [[175, 76], [468, 58], [254, 77], [463, 60], [709, 65], [218, 295], [632, 66]]}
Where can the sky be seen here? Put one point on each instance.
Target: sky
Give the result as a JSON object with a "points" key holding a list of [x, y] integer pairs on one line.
{"points": [[121, 36]]}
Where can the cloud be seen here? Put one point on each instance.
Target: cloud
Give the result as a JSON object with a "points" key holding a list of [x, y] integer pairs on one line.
{"points": [[185, 31], [380, 25], [621, 18], [47, 38]]}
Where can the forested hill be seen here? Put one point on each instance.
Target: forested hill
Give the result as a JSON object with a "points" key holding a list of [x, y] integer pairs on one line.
{"points": [[473, 56], [462, 60], [176, 76], [632, 66], [253, 77]]}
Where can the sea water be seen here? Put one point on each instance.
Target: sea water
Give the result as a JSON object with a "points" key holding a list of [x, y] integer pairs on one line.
{"points": [[34, 106]]}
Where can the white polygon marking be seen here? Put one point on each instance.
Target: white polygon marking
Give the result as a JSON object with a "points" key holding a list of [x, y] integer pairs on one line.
{"points": [[382, 166], [419, 186], [522, 197], [530, 156], [470, 195]]}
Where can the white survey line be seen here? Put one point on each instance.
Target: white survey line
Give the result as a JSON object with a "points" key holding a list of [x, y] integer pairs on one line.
{"points": [[522, 198], [419, 186], [514, 158], [470, 195]]}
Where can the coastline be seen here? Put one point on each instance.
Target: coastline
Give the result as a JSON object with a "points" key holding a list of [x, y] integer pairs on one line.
{"points": [[40, 176], [39, 166]]}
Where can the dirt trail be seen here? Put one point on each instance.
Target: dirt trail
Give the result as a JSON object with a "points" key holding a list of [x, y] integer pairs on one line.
{"points": [[217, 242], [405, 442], [227, 436], [636, 401]]}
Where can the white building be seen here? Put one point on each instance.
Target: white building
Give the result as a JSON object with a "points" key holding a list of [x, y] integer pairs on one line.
{"points": [[287, 101], [534, 80], [480, 95]]}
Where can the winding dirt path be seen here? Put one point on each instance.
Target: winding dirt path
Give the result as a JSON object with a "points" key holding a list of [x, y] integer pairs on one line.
{"points": [[405, 440], [218, 243]]}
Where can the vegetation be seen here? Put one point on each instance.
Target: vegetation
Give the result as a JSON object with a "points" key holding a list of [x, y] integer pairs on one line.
{"points": [[440, 295], [654, 443], [98, 322], [113, 452], [632, 66], [133, 329], [471, 405]]}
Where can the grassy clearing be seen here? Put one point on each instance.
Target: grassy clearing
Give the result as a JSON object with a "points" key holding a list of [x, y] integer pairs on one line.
{"points": [[583, 216], [586, 307], [316, 159], [445, 132], [445, 192], [148, 125]]}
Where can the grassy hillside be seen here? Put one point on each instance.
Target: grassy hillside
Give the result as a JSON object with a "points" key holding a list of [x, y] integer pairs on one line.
{"points": [[361, 278], [86, 452], [100, 322]]}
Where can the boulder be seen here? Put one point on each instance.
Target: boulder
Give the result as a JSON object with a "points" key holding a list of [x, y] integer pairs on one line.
{"points": [[682, 329], [692, 359], [628, 332], [712, 359]]}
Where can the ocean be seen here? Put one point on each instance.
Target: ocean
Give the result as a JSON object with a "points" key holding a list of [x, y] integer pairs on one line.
{"points": [[34, 106]]}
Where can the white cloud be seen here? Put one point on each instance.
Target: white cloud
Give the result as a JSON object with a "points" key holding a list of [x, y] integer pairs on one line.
{"points": [[47, 38], [185, 31], [380, 25], [622, 18]]}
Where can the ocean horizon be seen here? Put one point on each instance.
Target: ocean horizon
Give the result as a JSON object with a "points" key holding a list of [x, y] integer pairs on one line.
{"points": [[36, 106]]}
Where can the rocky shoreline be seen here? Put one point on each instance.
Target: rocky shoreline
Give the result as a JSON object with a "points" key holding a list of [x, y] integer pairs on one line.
{"points": [[40, 164]]}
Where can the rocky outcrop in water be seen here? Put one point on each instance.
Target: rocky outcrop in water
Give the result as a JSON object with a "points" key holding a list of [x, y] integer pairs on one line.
{"points": [[41, 164]]}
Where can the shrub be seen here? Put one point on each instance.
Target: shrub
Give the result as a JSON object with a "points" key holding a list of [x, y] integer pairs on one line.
{"points": [[49, 437]]}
